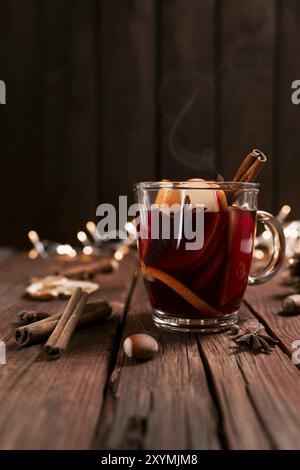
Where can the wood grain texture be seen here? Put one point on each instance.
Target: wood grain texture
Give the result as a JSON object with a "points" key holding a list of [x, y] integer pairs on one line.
{"points": [[257, 394], [249, 396], [126, 100], [197, 393], [247, 75], [56, 405], [266, 303], [187, 93], [164, 403]]}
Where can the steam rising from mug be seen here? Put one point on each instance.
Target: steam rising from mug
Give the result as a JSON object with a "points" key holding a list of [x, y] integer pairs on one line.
{"points": [[205, 160], [187, 108]]}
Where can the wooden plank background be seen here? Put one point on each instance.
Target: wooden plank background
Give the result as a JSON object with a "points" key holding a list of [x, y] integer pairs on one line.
{"points": [[101, 94]]}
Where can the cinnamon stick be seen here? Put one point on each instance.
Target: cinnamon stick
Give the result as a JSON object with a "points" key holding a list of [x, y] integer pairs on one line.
{"points": [[39, 331], [55, 351], [86, 270], [34, 333], [31, 316], [66, 324], [250, 166], [71, 305]]}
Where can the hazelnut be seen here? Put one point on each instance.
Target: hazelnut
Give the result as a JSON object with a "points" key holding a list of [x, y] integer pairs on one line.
{"points": [[140, 346]]}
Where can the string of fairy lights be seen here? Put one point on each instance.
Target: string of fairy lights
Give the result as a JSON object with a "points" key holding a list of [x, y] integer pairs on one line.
{"points": [[91, 244]]}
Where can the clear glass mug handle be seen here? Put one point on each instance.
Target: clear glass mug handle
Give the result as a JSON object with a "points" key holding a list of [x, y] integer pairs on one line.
{"points": [[278, 253]]}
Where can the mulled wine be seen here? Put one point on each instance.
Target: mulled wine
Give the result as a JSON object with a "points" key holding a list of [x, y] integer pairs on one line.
{"points": [[217, 273], [201, 289]]}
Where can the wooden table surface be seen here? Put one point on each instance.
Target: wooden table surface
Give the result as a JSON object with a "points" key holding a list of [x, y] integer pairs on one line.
{"points": [[195, 394]]}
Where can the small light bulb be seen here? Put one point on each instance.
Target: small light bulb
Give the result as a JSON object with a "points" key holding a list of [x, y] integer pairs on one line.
{"points": [[267, 235], [33, 236], [119, 255], [91, 226], [68, 249], [286, 209], [60, 249], [82, 237], [131, 229], [33, 254], [258, 254], [88, 250]]}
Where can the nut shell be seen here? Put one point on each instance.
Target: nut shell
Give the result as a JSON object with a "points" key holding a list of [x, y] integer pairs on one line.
{"points": [[140, 346]]}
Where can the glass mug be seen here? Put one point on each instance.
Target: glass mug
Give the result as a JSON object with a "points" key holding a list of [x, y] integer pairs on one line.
{"points": [[201, 290]]}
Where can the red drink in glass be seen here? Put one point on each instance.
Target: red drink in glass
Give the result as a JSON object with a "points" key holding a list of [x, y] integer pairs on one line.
{"points": [[201, 289]]}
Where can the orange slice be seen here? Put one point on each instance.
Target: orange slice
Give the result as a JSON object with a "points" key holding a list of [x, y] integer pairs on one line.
{"points": [[168, 196], [181, 290]]}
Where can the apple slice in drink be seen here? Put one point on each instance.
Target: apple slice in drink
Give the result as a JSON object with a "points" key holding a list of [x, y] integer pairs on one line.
{"points": [[213, 200]]}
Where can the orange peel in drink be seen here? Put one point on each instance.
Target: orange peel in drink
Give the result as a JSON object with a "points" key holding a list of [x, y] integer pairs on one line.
{"points": [[181, 290]]}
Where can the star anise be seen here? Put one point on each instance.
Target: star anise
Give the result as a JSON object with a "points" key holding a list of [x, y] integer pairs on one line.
{"points": [[256, 341]]}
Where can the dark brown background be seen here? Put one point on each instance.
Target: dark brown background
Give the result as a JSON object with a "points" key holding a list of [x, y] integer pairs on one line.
{"points": [[102, 93]]}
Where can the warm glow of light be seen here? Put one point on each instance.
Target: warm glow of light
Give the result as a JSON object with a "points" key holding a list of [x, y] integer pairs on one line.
{"points": [[73, 253], [33, 236], [91, 227], [123, 249], [65, 250], [283, 213], [88, 250], [131, 229], [291, 232], [60, 249], [33, 254], [82, 237], [119, 255], [258, 254], [267, 235], [286, 209]]}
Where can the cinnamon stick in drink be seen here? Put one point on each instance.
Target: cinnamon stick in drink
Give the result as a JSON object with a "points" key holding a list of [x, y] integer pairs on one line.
{"points": [[39, 331], [250, 166]]}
